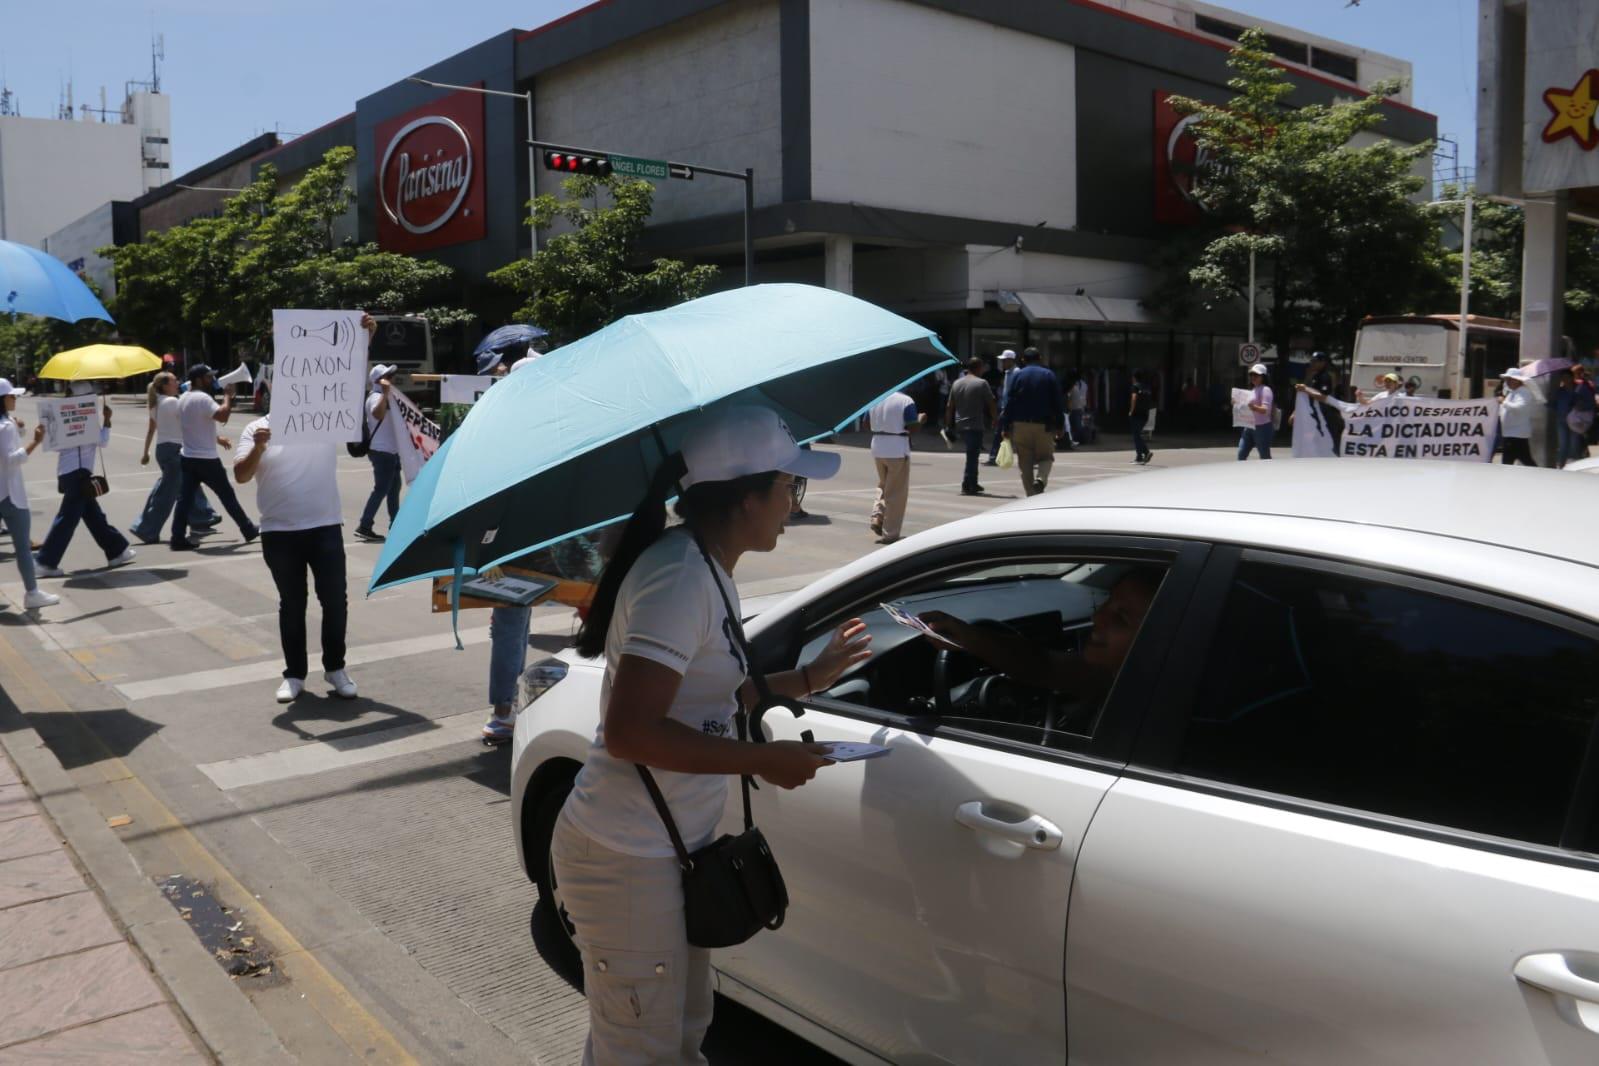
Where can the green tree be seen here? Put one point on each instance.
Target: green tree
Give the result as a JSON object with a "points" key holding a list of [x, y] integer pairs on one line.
{"points": [[585, 277], [1336, 230]]}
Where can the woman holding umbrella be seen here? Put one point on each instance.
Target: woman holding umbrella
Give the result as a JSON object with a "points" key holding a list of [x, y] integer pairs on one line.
{"points": [[665, 616], [14, 495]]}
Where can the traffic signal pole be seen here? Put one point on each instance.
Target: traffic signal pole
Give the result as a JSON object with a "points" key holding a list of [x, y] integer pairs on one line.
{"points": [[565, 159]]}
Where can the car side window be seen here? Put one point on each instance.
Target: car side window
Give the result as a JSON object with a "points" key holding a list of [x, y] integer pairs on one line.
{"points": [[1389, 699], [1025, 650]]}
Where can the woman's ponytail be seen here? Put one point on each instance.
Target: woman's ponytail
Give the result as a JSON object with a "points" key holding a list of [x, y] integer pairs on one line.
{"points": [[643, 529]]}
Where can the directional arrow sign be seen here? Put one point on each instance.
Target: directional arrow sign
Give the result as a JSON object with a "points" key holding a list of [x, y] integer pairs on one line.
{"points": [[680, 170]]}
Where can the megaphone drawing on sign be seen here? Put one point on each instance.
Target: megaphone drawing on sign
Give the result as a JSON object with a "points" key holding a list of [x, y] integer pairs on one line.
{"points": [[239, 375]]}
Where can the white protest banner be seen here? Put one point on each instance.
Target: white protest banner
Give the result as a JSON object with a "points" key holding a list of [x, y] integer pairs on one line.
{"points": [[319, 380], [1243, 417], [69, 421], [416, 437], [1313, 438], [1418, 427], [464, 388]]}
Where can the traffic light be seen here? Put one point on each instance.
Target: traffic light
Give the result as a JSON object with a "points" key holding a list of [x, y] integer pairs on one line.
{"points": [[598, 166]]}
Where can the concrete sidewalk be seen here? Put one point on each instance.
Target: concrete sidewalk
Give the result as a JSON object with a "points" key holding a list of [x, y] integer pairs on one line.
{"points": [[75, 988]]}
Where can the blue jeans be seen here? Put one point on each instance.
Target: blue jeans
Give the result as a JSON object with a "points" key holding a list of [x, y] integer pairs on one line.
{"points": [[973, 439], [385, 485], [18, 520], [1257, 437], [507, 653], [164, 496], [1074, 420], [1140, 449], [77, 507], [207, 472]]}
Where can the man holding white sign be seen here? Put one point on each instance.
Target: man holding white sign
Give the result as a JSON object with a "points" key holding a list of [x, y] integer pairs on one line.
{"points": [[198, 417]]}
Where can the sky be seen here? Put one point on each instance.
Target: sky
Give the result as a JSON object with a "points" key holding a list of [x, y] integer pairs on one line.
{"points": [[235, 69]]}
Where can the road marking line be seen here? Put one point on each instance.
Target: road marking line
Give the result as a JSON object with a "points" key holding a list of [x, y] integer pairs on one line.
{"points": [[366, 1037], [321, 756]]}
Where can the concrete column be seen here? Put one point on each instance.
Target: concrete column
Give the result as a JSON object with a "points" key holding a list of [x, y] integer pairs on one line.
{"points": [[1543, 278], [839, 272]]}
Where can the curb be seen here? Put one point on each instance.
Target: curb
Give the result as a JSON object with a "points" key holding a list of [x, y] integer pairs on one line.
{"points": [[227, 1024]]}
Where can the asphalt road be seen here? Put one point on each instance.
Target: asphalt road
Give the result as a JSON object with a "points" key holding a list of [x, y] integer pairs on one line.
{"points": [[364, 845]]}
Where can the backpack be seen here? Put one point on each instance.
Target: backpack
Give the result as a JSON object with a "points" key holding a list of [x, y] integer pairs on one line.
{"points": [[359, 450]]}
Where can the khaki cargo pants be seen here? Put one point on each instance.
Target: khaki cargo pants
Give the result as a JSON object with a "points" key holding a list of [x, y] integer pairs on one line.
{"points": [[1035, 454], [649, 992]]}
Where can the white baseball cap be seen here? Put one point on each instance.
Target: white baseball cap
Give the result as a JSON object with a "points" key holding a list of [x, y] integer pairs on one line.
{"points": [[736, 442], [1007, 354], [379, 372], [8, 389], [1260, 368]]}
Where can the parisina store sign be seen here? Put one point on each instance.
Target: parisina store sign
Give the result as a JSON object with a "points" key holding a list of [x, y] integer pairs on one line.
{"points": [[430, 175]]}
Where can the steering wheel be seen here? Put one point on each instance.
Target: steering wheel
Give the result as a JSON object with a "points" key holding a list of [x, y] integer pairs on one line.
{"points": [[942, 682]]}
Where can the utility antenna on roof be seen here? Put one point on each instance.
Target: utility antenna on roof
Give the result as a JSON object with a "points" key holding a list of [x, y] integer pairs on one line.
{"points": [[158, 53]]}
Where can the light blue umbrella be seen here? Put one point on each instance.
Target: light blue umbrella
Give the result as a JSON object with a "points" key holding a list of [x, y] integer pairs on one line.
{"points": [[33, 283], [568, 444]]}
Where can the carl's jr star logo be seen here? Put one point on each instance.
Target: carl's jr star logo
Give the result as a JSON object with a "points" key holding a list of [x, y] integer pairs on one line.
{"points": [[1574, 112]]}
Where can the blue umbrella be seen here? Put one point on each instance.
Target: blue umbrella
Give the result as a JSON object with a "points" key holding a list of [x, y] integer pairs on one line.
{"points": [[33, 283], [569, 444], [507, 337]]}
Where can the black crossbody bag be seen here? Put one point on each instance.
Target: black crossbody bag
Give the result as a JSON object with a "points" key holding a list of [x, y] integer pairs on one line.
{"points": [[732, 888]]}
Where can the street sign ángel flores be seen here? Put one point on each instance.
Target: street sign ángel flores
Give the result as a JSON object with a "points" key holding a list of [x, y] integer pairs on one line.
{"points": [[429, 177]]}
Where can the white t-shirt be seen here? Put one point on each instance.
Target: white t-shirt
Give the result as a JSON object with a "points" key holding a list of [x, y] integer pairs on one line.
{"points": [[890, 433], [668, 611], [195, 411], [168, 430], [12, 455], [1515, 414], [295, 488], [381, 432]]}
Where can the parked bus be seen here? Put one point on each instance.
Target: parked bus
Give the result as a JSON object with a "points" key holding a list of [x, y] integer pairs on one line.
{"points": [[1427, 348]]}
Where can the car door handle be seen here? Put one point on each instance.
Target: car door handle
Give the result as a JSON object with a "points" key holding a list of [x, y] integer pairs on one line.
{"points": [[1552, 972], [1032, 830]]}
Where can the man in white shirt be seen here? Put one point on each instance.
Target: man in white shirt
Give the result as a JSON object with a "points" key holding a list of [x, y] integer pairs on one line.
{"points": [[1007, 368], [74, 467], [198, 417], [382, 452], [301, 529], [1515, 420], [892, 421]]}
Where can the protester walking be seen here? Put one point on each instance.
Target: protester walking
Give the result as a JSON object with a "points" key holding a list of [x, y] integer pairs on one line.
{"points": [[1515, 420], [297, 493], [1138, 417], [80, 503], [1007, 368], [1257, 437], [892, 421], [14, 501], [1034, 415], [666, 618], [198, 416], [383, 454], [971, 408], [1076, 406], [165, 430]]}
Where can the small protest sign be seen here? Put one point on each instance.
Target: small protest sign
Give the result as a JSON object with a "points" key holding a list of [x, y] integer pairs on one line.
{"points": [[69, 421], [416, 437], [464, 388], [319, 379], [1243, 417]]}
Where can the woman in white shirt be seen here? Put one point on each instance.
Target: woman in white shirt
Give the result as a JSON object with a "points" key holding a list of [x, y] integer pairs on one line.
{"points": [[674, 676], [167, 434], [14, 504]]}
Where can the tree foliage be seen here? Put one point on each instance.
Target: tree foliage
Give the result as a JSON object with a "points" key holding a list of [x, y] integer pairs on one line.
{"points": [[1335, 228], [584, 277], [266, 250]]}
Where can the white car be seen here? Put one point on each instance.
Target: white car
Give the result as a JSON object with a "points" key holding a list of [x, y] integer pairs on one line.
{"points": [[1339, 806]]}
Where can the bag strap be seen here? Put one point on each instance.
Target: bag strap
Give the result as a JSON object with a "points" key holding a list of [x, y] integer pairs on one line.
{"points": [[659, 800]]}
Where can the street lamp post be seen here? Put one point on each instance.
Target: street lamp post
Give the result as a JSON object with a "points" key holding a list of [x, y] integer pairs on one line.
{"points": [[1464, 351], [532, 172]]}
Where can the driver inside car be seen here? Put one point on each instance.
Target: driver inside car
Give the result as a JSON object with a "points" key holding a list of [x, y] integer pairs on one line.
{"points": [[1086, 675]]}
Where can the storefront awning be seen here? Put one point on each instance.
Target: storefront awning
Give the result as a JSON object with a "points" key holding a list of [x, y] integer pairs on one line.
{"points": [[1123, 312], [1057, 309]]}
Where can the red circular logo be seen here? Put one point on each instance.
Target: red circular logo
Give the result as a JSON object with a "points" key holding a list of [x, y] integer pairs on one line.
{"points": [[425, 173]]}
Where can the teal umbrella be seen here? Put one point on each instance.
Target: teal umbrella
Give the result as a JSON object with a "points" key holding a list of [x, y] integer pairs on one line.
{"points": [[33, 283], [568, 444]]}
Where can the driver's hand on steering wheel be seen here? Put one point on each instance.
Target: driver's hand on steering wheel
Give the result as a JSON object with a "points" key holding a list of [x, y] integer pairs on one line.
{"points": [[957, 634]]}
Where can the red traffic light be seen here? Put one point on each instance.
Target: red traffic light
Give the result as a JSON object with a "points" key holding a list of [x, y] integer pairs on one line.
{"points": [[576, 163]]}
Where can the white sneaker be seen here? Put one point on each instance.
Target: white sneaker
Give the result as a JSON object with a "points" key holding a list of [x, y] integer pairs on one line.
{"points": [[37, 598], [343, 687], [123, 560], [290, 688], [48, 571]]}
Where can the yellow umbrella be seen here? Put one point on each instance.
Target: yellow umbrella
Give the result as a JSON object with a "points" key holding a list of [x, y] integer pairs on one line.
{"points": [[96, 361]]}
